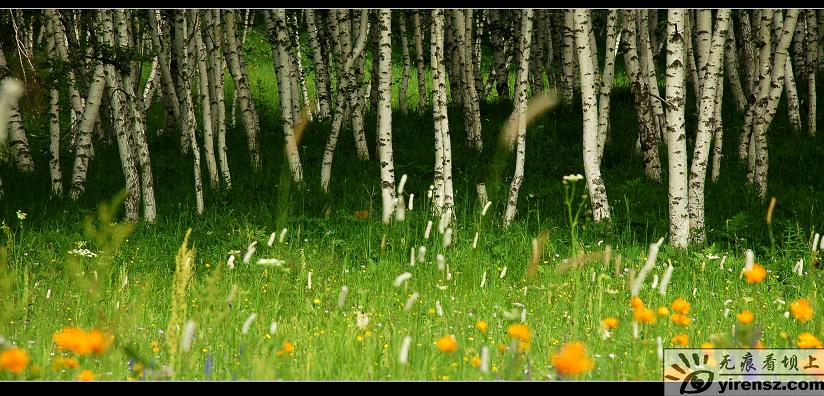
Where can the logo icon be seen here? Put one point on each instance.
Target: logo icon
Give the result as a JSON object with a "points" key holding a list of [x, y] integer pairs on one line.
{"points": [[698, 380]]}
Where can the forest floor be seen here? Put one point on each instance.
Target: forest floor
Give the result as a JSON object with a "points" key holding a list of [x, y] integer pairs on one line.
{"points": [[292, 319]]}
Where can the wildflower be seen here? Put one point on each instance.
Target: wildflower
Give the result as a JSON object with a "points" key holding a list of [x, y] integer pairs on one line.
{"points": [[745, 317], [807, 340], [756, 274], [681, 339], [85, 375], [21, 215], [801, 310], [644, 315], [680, 319], [501, 347], [636, 302], [99, 341], [572, 360], [14, 360], [680, 305], [707, 345], [663, 311], [73, 339], [155, 346], [362, 320], [64, 363], [288, 347], [482, 326], [519, 331], [447, 344], [361, 214], [759, 344], [475, 362], [610, 323]]}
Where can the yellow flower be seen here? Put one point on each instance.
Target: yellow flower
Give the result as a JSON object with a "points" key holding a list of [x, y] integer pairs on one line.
{"points": [[610, 323], [475, 362], [745, 317], [636, 302], [362, 214], [14, 360], [519, 331], [801, 310], [316, 301], [680, 319], [572, 360], [681, 339], [707, 345], [663, 311], [155, 347], [85, 375], [807, 340], [447, 344], [756, 274], [482, 326], [501, 347], [65, 363], [759, 344], [681, 305], [288, 347], [643, 315]]}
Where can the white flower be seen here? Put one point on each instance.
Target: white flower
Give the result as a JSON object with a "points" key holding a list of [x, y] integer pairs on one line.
{"points": [[573, 178], [362, 320], [82, 252], [21, 215]]}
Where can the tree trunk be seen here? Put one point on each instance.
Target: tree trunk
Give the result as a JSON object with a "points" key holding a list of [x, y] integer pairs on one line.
{"points": [[247, 105], [587, 59], [812, 63], [443, 195], [612, 41], [521, 86], [700, 157], [568, 58], [423, 95], [407, 63], [677, 146], [322, 86], [385, 113]]}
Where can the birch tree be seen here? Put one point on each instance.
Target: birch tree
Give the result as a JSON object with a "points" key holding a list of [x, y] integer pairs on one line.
{"points": [[384, 28], [443, 195], [519, 114], [677, 146]]}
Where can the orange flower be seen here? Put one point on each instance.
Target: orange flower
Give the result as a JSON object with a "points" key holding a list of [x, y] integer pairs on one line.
{"points": [[572, 360], [707, 345], [475, 362], [644, 315], [447, 344], [99, 341], [807, 340], [73, 339], [759, 344], [610, 323], [287, 347], [85, 375], [362, 214], [64, 363], [801, 310], [14, 360], [636, 302], [481, 325], [663, 311], [519, 331], [681, 339], [680, 319], [756, 274], [680, 305], [745, 317]]}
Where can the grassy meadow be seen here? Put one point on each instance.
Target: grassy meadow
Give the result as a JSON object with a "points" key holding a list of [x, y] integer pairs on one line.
{"points": [[65, 264]]}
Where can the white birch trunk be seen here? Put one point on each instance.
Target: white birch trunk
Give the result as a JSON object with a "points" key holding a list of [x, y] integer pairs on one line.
{"points": [[442, 193], [187, 108], [612, 41], [698, 170], [322, 86], [677, 147], [422, 90], [812, 64], [206, 108], [589, 101], [247, 105], [568, 58], [407, 63], [277, 31], [521, 87], [385, 113]]}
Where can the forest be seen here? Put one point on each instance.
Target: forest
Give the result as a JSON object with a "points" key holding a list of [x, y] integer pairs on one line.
{"points": [[405, 194]]}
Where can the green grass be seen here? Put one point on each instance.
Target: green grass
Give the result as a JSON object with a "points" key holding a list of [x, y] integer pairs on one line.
{"points": [[325, 239]]}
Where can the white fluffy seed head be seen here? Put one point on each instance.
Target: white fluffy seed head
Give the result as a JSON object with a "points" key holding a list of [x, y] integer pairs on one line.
{"points": [[421, 254], [403, 357], [248, 323], [411, 201], [188, 335], [401, 184], [282, 235], [400, 210], [428, 230], [271, 240], [410, 301], [400, 279], [486, 208], [342, 296], [447, 238], [441, 262], [273, 328], [475, 240], [749, 258]]}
